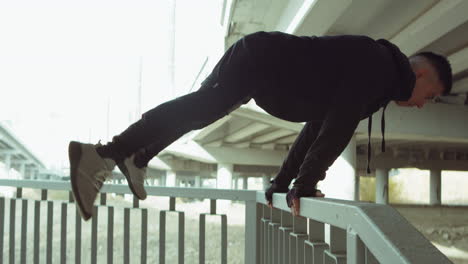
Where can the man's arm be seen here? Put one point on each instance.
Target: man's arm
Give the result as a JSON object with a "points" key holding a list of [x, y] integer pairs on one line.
{"points": [[335, 133], [296, 154]]}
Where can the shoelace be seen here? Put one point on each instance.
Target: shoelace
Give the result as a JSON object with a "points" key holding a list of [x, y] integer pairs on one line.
{"points": [[101, 178]]}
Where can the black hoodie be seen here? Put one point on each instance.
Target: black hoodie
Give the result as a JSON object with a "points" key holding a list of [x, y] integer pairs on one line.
{"points": [[338, 80]]}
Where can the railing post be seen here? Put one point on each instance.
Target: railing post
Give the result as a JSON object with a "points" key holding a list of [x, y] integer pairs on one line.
{"points": [[2, 225], [252, 232], [296, 240], [265, 239], [315, 245], [24, 230], [285, 231], [337, 252], [63, 234], [355, 249], [274, 233]]}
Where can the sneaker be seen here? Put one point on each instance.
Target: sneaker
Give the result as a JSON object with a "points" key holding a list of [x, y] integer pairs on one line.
{"points": [[135, 176], [88, 171]]}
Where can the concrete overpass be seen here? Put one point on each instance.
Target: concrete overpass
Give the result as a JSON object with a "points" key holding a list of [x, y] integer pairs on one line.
{"points": [[15, 155]]}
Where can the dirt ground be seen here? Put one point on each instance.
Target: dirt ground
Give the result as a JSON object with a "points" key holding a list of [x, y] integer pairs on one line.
{"points": [[446, 227]]}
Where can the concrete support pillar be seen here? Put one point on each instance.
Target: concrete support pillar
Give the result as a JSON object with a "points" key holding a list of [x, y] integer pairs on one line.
{"points": [[340, 182], [266, 181], [357, 183], [235, 182], [170, 178], [198, 181], [435, 187], [7, 162], [245, 181], [224, 175], [381, 186]]}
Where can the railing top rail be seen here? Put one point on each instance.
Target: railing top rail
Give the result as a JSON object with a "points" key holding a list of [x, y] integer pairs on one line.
{"points": [[390, 237], [209, 193]]}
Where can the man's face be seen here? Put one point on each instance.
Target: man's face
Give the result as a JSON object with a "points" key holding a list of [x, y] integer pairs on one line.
{"points": [[426, 88]]}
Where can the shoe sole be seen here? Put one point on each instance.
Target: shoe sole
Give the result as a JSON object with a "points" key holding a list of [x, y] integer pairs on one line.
{"points": [[74, 155], [125, 172]]}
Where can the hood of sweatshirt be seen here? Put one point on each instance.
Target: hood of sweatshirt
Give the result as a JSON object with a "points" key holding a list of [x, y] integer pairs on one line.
{"points": [[401, 90]]}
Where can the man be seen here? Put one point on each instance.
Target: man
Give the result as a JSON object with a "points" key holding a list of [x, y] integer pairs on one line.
{"points": [[329, 82]]}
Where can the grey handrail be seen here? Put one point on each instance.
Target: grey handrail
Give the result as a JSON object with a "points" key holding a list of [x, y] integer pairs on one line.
{"points": [[389, 236]]}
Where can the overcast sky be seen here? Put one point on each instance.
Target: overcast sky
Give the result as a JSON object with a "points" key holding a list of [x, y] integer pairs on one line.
{"points": [[63, 62]]}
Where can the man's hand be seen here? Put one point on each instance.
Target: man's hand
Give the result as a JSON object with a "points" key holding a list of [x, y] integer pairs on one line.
{"points": [[296, 203]]}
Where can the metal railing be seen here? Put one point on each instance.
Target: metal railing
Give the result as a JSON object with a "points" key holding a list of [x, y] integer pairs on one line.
{"points": [[328, 230]]}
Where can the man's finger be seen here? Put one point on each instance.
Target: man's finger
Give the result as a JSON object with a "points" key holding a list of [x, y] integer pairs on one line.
{"points": [[319, 194], [270, 205], [295, 208]]}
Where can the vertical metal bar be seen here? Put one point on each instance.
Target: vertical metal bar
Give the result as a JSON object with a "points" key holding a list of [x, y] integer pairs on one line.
{"points": [[274, 233], [252, 232], [181, 237], [94, 231], [77, 237], [212, 206], [201, 239], [355, 249], [24, 230], [297, 239], [162, 237], [2, 225], [37, 222], [44, 194], [12, 230], [63, 235], [103, 198], [144, 235], [126, 235], [285, 230], [224, 239], [70, 197], [136, 202], [50, 223], [110, 235], [171, 203], [337, 240], [266, 245]]}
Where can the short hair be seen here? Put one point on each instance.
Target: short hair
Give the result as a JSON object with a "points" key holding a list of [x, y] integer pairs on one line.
{"points": [[441, 66]]}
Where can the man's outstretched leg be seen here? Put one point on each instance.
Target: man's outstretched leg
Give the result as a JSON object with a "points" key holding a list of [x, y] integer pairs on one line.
{"points": [[132, 149], [230, 84]]}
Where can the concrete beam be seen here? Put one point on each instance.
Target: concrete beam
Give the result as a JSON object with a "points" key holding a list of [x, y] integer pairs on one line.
{"points": [[287, 140], [245, 132], [191, 150], [311, 17], [443, 17], [434, 122], [273, 135], [459, 61], [247, 156], [426, 164], [199, 135], [460, 86]]}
